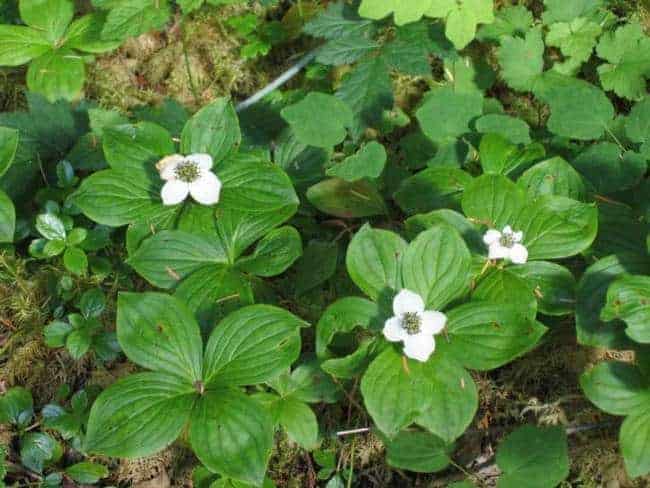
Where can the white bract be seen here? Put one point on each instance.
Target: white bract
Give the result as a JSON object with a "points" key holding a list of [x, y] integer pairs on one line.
{"points": [[413, 325], [506, 245], [188, 175]]}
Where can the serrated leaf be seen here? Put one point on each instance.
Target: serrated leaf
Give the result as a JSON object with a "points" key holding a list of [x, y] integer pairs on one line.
{"points": [[462, 18], [404, 12], [511, 20], [522, 60], [346, 49], [576, 40], [130, 18], [338, 20]]}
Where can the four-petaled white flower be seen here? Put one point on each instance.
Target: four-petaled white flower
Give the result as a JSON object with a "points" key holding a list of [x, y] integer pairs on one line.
{"points": [[188, 175], [506, 245], [413, 325]]}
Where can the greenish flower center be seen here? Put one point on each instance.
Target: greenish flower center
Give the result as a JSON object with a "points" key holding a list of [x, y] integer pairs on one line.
{"points": [[187, 171], [507, 240], [411, 323]]}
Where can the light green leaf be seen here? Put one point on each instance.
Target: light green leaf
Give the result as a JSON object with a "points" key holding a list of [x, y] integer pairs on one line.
{"points": [[252, 345], [86, 472], [509, 21], [274, 254], [637, 124], [19, 44], [50, 16], [50, 226], [130, 18], [135, 146], [576, 40], [493, 200], [500, 156], [374, 261], [326, 130], [139, 415], [522, 60], [158, 332], [7, 218], [553, 177], [616, 388], [437, 266], [299, 421], [462, 17], [57, 74], [8, 148], [404, 12], [368, 162], [635, 445], [513, 129], [503, 285], [553, 285], [75, 260], [84, 34]]}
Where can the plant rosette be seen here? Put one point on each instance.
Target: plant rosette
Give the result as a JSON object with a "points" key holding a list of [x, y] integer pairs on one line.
{"points": [[192, 217], [194, 389], [417, 334]]}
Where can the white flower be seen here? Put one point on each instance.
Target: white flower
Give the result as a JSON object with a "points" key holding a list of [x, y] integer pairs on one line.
{"points": [[188, 175], [413, 325], [506, 245]]}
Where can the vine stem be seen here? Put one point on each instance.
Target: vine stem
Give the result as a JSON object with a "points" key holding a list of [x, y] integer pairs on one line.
{"points": [[278, 82]]}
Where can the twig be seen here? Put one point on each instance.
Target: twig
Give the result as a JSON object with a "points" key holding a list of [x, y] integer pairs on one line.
{"points": [[278, 82], [361, 430]]}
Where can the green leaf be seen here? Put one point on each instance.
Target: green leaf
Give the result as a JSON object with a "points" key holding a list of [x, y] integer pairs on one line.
{"points": [[446, 114], [553, 177], [168, 257], [120, 197], [374, 261], [608, 169], [57, 74], [86, 472], [553, 285], [55, 333], [522, 60], [346, 49], [135, 145], [484, 335], [576, 41], [462, 18], [274, 254], [50, 16], [85, 32], [7, 218], [404, 12], [421, 222], [634, 443], [628, 299], [509, 21], [344, 316], [19, 45], [437, 266], [139, 415], [232, 434], [213, 130], [326, 130], [416, 451], [637, 124], [503, 285], [499, 156], [345, 199], [368, 91], [16, 406], [130, 18], [438, 395], [560, 11], [8, 148], [616, 388], [252, 345], [591, 296], [432, 188], [75, 260], [368, 162], [38, 450], [50, 226], [78, 342], [557, 227], [316, 266], [92, 303], [579, 110], [533, 457], [493, 200], [299, 421], [158, 332], [513, 129], [620, 231], [627, 51], [338, 20]]}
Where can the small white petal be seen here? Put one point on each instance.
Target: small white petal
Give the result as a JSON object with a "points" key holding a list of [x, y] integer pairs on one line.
{"points": [[393, 330], [167, 166], [433, 321], [407, 301], [507, 229], [419, 346], [204, 161], [497, 251], [491, 236], [174, 192], [206, 189], [517, 236], [518, 254]]}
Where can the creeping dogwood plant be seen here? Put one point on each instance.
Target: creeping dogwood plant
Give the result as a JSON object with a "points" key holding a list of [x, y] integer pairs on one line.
{"points": [[413, 325], [506, 245]]}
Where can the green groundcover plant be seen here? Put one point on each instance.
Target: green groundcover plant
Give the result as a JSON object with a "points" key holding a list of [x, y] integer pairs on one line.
{"points": [[451, 184]]}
